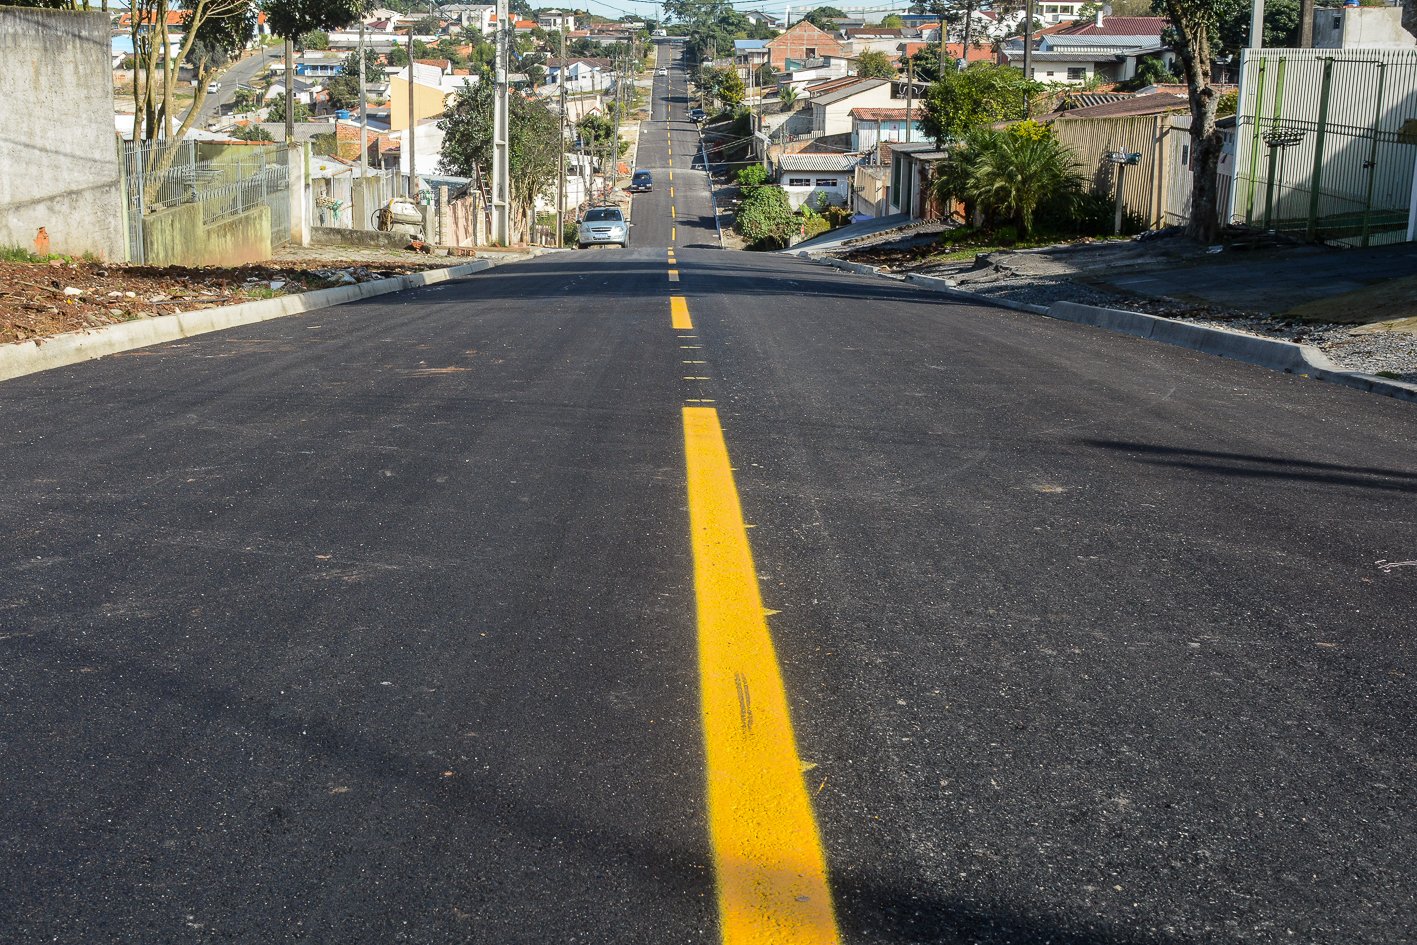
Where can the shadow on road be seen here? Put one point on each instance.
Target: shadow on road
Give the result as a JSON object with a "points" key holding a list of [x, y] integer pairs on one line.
{"points": [[1246, 466]]}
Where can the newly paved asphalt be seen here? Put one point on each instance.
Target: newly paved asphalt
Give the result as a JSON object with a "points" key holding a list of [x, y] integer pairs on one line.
{"points": [[378, 624]]}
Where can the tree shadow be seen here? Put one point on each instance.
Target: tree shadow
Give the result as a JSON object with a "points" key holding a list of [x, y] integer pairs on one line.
{"points": [[1251, 466]]}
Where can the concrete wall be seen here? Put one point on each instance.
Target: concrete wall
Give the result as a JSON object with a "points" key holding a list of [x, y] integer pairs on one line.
{"points": [[58, 154], [178, 237]]}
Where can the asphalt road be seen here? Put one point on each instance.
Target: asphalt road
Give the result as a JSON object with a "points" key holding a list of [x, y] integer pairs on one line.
{"points": [[387, 623]]}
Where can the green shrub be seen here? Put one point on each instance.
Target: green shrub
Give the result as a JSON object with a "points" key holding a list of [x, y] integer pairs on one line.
{"points": [[765, 218]]}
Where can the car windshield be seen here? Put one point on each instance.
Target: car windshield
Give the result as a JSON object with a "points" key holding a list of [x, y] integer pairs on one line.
{"points": [[642, 175], [601, 214]]}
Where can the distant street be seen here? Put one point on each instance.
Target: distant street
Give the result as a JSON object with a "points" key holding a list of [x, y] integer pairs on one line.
{"points": [[674, 594]]}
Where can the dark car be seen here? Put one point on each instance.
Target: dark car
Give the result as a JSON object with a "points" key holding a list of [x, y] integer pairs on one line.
{"points": [[698, 116], [641, 183]]}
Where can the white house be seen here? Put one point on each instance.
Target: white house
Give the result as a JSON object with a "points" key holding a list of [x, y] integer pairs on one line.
{"points": [[1056, 11], [817, 180], [556, 20], [582, 75], [474, 16], [831, 110]]}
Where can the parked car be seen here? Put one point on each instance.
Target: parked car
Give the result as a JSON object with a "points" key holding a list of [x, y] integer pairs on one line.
{"points": [[661, 72], [213, 87], [698, 116], [601, 226], [641, 183]]}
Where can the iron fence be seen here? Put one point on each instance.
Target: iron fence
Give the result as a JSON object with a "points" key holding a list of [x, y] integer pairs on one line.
{"points": [[1326, 143], [226, 180]]}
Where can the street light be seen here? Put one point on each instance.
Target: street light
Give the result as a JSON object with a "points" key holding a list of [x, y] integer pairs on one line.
{"points": [[1280, 140]]}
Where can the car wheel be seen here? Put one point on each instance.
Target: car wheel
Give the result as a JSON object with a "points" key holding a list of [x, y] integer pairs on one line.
{"points": [[580, 246]]}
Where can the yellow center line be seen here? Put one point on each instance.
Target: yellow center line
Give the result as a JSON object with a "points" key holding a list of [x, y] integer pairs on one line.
{"points": [[671, 191], [671, 175], [672, 231], [672, 214], [679, 314], [768, 857], [674, 275]]}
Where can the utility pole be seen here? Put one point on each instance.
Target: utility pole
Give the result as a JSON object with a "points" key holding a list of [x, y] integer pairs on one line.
{"points": [[944, 35], [613, 177], [1027, 58], [501, 169], [909, 97], [289, 93], [1257, 25], [363, 112], [412, 170], [561, 157]]}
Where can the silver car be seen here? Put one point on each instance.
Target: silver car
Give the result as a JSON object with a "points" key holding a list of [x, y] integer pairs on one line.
{"points": [[601, 226]]}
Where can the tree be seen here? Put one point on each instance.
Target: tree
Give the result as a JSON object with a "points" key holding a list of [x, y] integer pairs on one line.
{"points": [[875, 64], [315, 39], [824, 18], [765, 217], [535, 145], [1194, 25], [344, 88], [252, 132], [290, 19], [710, 25], [980, 95], [788, 97], [722, 85], [892, 21], [397, 56], [751, 178], [1014, 172], [926, 65], [1281, 25], [276, 111]]}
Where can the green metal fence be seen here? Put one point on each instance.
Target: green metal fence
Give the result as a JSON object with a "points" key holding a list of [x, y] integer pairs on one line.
{"points": [[1327, 143]]}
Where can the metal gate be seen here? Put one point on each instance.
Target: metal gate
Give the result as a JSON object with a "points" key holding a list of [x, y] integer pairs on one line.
{"points": [[1327, 143]]}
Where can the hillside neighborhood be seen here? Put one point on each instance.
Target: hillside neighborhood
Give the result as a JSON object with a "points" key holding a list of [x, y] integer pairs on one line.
{"points": [[668, 471]]}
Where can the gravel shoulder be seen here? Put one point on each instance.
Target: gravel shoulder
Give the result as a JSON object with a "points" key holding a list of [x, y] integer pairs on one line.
{"points": [[1261, 290]]}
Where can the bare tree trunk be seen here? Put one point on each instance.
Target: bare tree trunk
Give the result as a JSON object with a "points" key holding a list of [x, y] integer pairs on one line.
{"points": [[1193, 30]]}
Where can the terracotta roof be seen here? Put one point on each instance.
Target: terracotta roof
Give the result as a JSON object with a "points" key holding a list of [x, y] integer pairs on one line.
{"points": [[882, 114], [831, 85], [1117, 26], [443, 64], [978, 52]]}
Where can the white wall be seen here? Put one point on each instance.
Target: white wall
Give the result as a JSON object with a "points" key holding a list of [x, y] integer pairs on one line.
{"points": [[837, 193]]}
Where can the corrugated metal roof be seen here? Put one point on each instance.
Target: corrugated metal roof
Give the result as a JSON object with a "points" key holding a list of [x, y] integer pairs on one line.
{"points": [[818, 162], [856, 88]]}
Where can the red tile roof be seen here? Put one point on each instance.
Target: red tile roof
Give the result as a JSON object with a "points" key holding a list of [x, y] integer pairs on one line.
{"points": [[882, 114]]}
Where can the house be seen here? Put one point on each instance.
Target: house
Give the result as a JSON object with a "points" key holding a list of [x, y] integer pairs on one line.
{"points": [[319, 65], [801, 43], [429, 96], [912, 172], [831, 110], [1107, 48], [875, 39], [758, 18], [825, 70], [471, 16], [816, 180], [870, 126], [583, 74], [1057, 11], [978, 52], [749, 54], [556, 20]]}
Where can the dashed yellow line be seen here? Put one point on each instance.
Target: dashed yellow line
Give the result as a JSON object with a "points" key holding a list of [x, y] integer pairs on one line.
{"points": [[673, 230], [674, 275], [679, 314], [768, 857], [671, 192]]}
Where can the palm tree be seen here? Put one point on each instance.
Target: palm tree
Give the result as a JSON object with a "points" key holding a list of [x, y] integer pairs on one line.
{"points": [[1014, 172], [788, 97]]}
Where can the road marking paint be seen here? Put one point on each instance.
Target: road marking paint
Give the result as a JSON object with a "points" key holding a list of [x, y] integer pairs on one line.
{"points": [[672, 214], [674, 275], [671, 191], [689, 347], [768, 858], [679, 313], [698, 378], [693, 362], [671, 175], [672, 231], [699, 400]]}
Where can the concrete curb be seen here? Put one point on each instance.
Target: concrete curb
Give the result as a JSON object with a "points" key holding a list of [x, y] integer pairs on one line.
{"points": [[1286, 356], [42, 354], [713, 194]]}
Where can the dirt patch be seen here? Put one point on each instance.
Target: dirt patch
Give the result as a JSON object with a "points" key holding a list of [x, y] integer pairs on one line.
{"points": [[41, 299]]}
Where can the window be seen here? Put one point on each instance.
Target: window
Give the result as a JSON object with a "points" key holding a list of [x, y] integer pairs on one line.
{"points": [[1185, 155], [811, 52], [827, 182], [1050, 74], [1077, 73], [799, 182]]}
